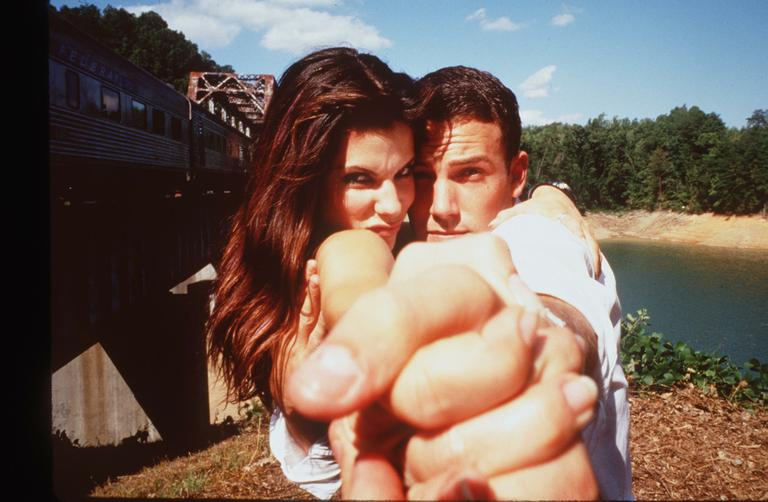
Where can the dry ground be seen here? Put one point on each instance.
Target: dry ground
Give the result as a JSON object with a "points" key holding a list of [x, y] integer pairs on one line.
{"points": [[685, 445], [705, 229]]}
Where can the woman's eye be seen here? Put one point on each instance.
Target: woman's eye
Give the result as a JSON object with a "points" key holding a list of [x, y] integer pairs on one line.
{"points": [[362, 179]]}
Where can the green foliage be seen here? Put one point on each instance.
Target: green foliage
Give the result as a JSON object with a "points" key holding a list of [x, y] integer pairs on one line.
{"points": [[687, 160], [145, 40], [651, 361]]}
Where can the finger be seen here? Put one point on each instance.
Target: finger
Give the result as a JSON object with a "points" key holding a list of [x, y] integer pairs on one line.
{"points": [[568, 476], [556, 351], [310, 309], [455, 378], [373, 478], [370, 345], [342, 440], [531, 428], [457, 483]]}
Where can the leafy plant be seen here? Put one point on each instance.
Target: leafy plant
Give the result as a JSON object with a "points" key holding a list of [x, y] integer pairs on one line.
{"points": [[651, 361]]}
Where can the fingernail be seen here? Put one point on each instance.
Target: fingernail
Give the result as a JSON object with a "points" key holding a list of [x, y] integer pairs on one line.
{"points": [[529, 321], [329, 373], [580, 393]]}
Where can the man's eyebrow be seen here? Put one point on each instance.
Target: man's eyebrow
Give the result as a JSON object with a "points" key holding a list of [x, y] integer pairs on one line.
{"points": [[474, 159]]}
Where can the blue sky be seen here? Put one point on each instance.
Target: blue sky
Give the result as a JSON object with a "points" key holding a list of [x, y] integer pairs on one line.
{"points": [[564, 61]]}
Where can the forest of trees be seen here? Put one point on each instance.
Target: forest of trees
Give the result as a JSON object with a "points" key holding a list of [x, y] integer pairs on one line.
{"points": [[686, 160], [144, 40]]}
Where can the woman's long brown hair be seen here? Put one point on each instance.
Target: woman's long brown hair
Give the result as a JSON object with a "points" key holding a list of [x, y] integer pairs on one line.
{"points": [[278, 227]]}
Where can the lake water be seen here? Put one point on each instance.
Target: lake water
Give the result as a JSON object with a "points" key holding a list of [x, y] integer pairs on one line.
{"points": [[714, 299]]}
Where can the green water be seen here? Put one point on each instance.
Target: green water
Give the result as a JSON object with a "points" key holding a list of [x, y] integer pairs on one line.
{"points": [[714, 299]]}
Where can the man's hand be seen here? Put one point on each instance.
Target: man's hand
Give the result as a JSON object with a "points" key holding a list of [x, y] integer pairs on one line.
{"points": [[389, 338]]}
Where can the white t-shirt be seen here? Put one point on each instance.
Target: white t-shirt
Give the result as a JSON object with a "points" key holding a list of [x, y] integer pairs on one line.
{"points": [[551, 261]]}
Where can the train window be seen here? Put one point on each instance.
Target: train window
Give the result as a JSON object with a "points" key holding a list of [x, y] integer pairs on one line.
{"points": [[110, 103], [138, 114], [176, 128], [73, 90], [158, 121], [248, 131], [211, 107]]}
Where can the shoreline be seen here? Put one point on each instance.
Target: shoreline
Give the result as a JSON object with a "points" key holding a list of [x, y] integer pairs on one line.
{"points": [[744, 232]]}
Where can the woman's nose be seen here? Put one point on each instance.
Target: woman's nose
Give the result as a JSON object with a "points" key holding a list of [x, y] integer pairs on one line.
{"points": [[387, 200]]}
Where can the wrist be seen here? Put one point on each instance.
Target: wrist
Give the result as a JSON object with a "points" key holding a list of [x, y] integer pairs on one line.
{"points": [[545, 188]]}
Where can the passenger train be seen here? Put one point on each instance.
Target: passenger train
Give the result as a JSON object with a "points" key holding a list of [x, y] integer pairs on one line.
{"points": [[115, 129]]}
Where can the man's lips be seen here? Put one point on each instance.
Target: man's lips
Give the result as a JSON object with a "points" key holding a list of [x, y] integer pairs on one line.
{"points": [[439, 235]]}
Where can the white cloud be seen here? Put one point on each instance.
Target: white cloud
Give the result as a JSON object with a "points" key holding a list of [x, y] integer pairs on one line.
{"points": [[295, 26], [537, 85], [536, 118], [563, 19], [502, 23], [478, 15]]}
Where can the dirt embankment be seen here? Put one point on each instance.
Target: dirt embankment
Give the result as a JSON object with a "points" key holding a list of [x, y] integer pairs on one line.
{"points": [[706, 229]]}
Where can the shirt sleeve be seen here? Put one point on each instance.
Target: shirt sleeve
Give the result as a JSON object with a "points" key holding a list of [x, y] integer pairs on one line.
{"points": [[552, 261]]}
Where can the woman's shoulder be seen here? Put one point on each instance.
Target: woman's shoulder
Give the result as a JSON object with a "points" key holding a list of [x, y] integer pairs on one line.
{"points": [[352, 241]]}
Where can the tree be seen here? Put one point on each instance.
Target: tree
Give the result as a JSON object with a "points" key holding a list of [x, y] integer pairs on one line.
{"points": [[145, 40]]}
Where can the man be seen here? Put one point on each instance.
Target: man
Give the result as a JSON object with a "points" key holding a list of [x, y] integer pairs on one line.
{"points": [[471, 164], [470, 168]]}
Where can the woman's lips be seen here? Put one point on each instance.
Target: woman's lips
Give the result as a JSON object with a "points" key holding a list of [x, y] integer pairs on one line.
{"points": [[385, 230]]}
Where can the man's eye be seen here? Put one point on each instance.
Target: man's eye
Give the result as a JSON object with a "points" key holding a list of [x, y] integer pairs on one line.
{"points": [[470, 173], [404, 172], [360, 179]]}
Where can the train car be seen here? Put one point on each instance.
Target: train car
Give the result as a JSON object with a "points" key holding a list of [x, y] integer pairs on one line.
{"points": [[115, 128], [107, 117], [218, 146]]}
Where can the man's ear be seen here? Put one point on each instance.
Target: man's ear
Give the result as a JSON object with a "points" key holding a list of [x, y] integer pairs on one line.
{"points": [[518, 173]]}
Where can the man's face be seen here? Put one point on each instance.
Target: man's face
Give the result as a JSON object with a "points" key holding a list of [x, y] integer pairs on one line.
{"points": [[463, 179]]}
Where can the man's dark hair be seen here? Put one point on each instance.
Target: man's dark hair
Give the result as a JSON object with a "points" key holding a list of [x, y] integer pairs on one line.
{"points": [[462, 93]]}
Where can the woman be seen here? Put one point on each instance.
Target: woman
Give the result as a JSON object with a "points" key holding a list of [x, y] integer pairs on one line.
{"points": [[335, 153]]}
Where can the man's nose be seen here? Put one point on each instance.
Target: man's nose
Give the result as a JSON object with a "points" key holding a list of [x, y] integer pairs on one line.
{"points": [[388, 203], [445, 208]]}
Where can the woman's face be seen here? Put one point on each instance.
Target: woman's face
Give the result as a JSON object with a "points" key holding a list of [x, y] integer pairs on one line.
{"points": [[371, 185]]}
